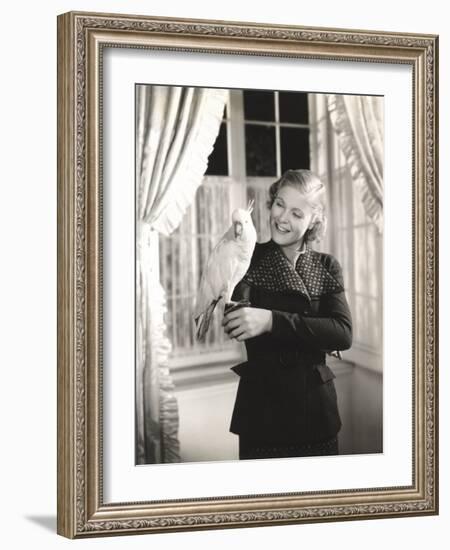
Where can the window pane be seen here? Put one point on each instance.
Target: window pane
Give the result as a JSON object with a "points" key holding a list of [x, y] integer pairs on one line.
{"points": [[260, 150], [294, 148], [293, 107], [218, 159], [259, 105]]}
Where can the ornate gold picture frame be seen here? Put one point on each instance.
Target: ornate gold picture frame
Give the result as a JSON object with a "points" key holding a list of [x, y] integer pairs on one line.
{"points": [[83, 511]]}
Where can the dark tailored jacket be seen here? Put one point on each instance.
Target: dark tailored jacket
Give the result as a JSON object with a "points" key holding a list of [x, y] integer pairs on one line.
{"points": [[286, 393]]}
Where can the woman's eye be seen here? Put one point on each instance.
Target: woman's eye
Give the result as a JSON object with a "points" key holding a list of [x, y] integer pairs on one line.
{"points": [[297, 215]]}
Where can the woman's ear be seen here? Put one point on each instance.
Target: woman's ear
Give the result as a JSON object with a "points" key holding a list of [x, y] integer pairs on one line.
{"points": [[312, 223]]}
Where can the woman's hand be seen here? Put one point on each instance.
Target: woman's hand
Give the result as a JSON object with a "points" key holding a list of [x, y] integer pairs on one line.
{"points": [[247, 322]]}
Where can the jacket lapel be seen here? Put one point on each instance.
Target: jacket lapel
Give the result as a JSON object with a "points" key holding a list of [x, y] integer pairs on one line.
{"points": [[318, 280], [273, 271]]}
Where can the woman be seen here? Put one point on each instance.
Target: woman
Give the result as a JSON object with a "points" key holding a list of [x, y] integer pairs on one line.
{"points": [[286, 400]]}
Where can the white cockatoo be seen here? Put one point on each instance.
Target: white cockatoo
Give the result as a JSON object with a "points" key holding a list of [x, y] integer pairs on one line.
{"points": [[226, 266]]}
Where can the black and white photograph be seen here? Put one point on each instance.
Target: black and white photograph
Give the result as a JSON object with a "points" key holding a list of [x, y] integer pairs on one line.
{"points": [[259, 274]]}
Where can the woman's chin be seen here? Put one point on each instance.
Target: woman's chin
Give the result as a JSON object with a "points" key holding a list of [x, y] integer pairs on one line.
{"points": [[285, 239], [276, 239], [281, 239]]}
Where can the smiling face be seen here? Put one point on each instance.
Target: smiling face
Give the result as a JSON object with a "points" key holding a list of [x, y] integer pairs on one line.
{"points": [[290, 217]]}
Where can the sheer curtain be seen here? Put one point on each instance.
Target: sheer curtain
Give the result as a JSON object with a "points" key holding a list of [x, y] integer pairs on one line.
{"points": [[354, 235], [358, 123], [176, 129]]}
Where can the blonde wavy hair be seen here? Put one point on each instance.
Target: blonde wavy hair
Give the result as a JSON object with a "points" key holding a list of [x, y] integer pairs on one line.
{"points": [[313, 189]]}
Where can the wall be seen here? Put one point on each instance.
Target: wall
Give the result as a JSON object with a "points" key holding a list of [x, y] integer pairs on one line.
{"points": [[205, 414], [28, 274]]}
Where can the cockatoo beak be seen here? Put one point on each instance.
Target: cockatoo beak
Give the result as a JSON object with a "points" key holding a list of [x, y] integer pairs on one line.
{"points": [[237, 229]]}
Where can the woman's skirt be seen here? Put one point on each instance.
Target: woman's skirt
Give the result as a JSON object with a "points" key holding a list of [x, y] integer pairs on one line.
{"points": [[251, 449]]}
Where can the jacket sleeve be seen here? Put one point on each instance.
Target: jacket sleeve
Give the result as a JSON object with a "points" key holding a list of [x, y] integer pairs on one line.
{"points": [[330, 329], [241, 292]]}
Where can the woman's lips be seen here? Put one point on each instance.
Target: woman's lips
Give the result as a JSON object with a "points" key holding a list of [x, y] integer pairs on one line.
{"points": [[281, 229]]}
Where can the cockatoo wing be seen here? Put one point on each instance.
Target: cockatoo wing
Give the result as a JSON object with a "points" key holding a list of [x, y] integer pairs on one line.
{"points": [[217, 274]]}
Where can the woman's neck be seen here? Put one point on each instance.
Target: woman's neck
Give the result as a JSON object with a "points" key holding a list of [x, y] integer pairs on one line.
{"points": [[293, 251]]}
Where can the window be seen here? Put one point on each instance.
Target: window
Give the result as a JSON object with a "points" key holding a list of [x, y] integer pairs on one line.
{"points": [[351, 237], [218, 160], [272, 126], [359, 249], [261, 135], [276, 132]]}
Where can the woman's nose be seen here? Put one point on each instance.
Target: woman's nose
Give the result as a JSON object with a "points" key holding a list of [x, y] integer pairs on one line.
{"points": [[283, 216]]}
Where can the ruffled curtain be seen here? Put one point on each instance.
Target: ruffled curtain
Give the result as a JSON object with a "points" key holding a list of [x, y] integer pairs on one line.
{"points": [[358, 122], [176, 129]]}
